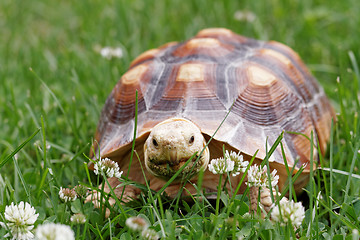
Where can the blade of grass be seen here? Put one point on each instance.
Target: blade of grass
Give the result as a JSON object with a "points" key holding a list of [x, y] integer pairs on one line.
{"points": [[272, 149], [266, 161], [44, 142], [337, 216], [243, 177], [175, 175], [32, 115], [18, 149], [149, 190], [354, 64], [80, 152], [71, 124], [294, 178], [87, 173], [26, 188], [331, 168], [40, 186], [290, 180], [135, 130], [351, 171], [204, 200], [113, 195], [311, 186], [160, 222], [344, 114], [211, 137], [356, 176], [218, 196]]}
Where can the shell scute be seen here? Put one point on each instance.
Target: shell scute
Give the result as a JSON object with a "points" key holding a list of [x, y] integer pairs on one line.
{"points": [[151, 54], [224, 35], [209, 47]]}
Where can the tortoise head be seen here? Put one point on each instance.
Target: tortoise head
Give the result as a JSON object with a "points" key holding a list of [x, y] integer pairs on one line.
{"points": [[171, 144]]}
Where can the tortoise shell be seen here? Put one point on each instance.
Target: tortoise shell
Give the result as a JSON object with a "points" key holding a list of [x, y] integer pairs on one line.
{"points": [[264, 87]]}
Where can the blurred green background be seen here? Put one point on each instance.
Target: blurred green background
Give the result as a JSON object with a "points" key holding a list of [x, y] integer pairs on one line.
{"points": [[51, 71]]}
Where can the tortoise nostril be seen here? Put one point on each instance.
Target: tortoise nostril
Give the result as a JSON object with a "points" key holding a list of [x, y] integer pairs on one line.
{"points": [[173, 155]]}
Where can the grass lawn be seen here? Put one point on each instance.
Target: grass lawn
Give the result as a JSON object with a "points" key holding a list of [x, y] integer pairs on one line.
{"points": [[54, 82]]}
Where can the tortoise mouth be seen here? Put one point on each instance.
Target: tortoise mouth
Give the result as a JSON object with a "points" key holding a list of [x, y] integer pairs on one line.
{"points": [[172, 164], [166, 169]]}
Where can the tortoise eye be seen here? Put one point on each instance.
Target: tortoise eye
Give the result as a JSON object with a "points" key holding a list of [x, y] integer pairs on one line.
{"points": [[191, 140], [155, 142]]}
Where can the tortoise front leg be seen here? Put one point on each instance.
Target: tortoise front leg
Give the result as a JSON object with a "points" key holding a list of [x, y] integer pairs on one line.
{"points": [[258, 180], [264, 202], [124, 193]]}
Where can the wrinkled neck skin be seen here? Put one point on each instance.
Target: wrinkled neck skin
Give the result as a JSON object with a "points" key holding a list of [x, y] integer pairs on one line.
{"points": [[171, 144]]}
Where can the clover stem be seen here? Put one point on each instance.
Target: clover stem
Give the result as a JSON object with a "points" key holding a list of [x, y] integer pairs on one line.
{"points": [[102, 197], [218, 197]]}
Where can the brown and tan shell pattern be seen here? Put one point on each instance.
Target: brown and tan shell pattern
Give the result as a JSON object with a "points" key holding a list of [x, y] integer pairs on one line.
{"points": [[267, 85]]}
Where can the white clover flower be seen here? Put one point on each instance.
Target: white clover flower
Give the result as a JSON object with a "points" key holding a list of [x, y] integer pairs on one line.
{"points": [[39, 145], [54, 231], [355, 234], [78, 218], [81, 191], [149, 234], [109, 167], [288, 212], [221, 165], [257, 177], [245, 16], [239, 164], [67, 194], [137, 223], [247, 215], [20, 220], [109, 52]]}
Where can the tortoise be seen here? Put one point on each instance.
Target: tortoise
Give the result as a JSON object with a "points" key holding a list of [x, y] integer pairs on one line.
{"points": [[256, 89]]}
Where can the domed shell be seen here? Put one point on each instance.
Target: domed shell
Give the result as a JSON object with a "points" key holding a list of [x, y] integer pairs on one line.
{"points": [[264, 87]]}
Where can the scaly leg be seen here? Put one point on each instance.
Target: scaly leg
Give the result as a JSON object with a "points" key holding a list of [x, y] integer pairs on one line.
{"points": [[265, 202], [124, 195]]}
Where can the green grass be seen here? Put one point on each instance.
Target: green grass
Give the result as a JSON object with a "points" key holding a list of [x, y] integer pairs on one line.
{"points": [[53, 86]]}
